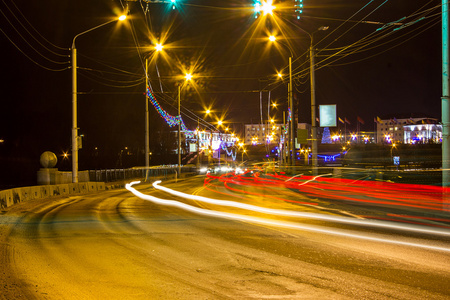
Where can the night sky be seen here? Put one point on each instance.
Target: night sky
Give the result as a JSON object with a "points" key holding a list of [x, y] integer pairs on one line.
{"points": [[364, 71]]}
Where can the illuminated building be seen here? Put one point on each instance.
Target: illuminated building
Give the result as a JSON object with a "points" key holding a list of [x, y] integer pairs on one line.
{"points": [[408, 130], [423, 133], [262, 133]]}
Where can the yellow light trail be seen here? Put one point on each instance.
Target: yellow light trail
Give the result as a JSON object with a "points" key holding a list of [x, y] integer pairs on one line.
{"points": [[289, 213], [187, 207]]}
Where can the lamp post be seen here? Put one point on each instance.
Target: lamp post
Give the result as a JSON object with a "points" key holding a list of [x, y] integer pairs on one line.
{"points": [[158, 48], [188, 77], [219, 124], [313, 98], [445, 101], [75, 136], [179, 130], [291, 105], [147, 122]]}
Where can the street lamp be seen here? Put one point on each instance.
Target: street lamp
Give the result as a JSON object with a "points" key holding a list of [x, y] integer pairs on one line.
{"points": [[313, 98], [219, 124], [158, 48], [445, 100], [209, 152], [291, 104], [75, 136], [187, 77]]}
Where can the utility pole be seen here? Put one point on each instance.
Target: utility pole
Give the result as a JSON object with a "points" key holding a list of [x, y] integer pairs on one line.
{"points": [[283, 155], [179, 131], [313, 108], [291, 103], [314, 148], [445, 98], [198, 144], [147, 122], [74, 115]]}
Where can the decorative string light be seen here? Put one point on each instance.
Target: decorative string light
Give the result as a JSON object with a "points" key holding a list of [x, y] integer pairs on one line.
{"points": [[229, 153], [170, 120]]}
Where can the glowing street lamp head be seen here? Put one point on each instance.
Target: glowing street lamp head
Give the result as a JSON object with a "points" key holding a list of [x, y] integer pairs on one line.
{"points": [[159, 47], [272, 38], [122, 17], [280, 75], [188, 76], [267, 7]]}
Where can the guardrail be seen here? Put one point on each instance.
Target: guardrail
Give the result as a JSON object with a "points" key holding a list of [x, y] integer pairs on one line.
{"points": [[110, 175], [17, 195], [99, 180]]}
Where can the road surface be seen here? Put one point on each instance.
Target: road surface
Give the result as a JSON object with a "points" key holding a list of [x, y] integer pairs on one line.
{"points": [[116, 245]]}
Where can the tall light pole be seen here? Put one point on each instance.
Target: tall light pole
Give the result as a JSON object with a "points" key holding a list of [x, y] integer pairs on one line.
{"points": [[445, 98], [313, 99], [179, 130], [293, 121], [158, 48], [219, 124], [75, 136], [291, 105], [187, 77], [147, 122]]}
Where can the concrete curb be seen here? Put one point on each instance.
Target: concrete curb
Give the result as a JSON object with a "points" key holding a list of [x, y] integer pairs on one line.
{"points": [[17, 195]]}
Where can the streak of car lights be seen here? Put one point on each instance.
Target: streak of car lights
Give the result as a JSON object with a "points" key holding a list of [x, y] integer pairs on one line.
{"points": [[226, 185], [289, 213], [339, 189], [213, 213]]}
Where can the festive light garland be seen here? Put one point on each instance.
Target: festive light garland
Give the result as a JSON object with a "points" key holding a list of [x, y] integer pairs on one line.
{"points": [[286, 129], [229, 153], [170, 120]]}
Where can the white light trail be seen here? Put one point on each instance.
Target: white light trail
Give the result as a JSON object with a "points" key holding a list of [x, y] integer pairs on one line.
{"points": [[288, 213], [312, 179], [213, 213]]}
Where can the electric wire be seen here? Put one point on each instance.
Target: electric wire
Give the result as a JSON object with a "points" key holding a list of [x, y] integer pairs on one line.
{"points": [[347, 50], [352, 27], [20, 12], [25, 40], [32, 60], [109, 85], [435, 22], [120, 71]]}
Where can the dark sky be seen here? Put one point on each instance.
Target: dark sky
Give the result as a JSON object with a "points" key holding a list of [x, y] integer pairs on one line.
{"points": [[365, 71]]}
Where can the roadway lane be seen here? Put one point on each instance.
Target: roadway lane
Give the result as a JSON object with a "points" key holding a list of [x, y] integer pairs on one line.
{"points": [[118, 246]]}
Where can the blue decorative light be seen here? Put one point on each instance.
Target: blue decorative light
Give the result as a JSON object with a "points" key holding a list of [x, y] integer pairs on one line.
{"points": [[329, 157], [171, 120]]}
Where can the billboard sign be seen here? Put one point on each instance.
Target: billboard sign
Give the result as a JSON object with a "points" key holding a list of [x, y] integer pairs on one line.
{"points": [[327, 114]]}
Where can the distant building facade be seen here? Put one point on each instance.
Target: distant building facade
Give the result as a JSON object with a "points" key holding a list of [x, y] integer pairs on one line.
{"points": [[423, 134], [262, 133], [389, 129], [408, 130], [270, 133]]}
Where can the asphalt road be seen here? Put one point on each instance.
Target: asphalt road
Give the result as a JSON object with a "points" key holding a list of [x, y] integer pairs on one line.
{"points": [[115, 245]]}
